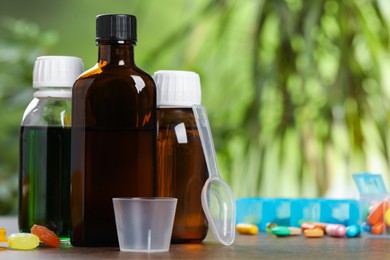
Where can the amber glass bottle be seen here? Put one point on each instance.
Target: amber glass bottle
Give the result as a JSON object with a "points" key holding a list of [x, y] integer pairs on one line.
{"points": [[113, 134], [181, 167]]}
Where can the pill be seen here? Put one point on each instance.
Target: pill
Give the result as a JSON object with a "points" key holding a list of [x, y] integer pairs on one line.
{"points": [[387, 217], [312, 225], [47, 236], [282, 231], [23, 241], [269, 226], [249, 229], [377, 214], [336, 230], [378, 228], [315, 232], [366, 227], [320, 225], [3, 234], [353, 230], [305, 226]]}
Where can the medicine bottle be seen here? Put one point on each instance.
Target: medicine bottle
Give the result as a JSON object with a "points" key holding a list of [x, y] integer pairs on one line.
{"points": [[181, 167], [113, 133], [44, 152]]}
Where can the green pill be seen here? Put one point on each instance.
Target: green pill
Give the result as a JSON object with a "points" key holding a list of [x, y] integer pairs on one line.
{"points": [[281, 231]]}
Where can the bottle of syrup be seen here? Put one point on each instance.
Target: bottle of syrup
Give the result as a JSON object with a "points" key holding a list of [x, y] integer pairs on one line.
{"points": [[113, 133], [181, 167], [44, 159]]}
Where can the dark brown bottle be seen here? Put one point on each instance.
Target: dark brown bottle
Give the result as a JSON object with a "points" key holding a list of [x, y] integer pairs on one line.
{"points": [[181, 166], [113, 134]]}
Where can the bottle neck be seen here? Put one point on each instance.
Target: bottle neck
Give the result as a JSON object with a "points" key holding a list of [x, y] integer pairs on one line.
{"points": [[119, 53], [54, 92]]}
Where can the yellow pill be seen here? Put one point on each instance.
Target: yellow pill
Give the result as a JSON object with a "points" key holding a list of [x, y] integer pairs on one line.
{"points": [[316, 232], [387, 217], [247, 229], [23, 241], [3, 234]]}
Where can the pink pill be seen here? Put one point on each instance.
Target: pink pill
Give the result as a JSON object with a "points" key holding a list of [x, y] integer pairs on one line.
{"points": [[336, 230]]}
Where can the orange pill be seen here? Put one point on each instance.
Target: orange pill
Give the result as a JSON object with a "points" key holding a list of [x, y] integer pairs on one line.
{"points": [[377, 214], [313, 225], [46, 235], [3, 233], [306, 225], [378, 228], [316, 232]]}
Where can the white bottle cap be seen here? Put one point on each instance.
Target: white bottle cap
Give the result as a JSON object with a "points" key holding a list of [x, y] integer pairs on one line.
{"points": [[177, 88], [56, 71]]}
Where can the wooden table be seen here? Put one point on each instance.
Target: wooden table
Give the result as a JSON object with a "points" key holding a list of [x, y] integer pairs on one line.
{"points": [[262, 246]]}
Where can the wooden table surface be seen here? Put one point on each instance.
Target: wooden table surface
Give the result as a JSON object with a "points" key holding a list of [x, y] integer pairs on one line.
{"points": [[262, 246]]}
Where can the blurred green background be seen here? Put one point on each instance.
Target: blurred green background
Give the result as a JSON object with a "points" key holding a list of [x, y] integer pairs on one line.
{"points": [[297, 91]]}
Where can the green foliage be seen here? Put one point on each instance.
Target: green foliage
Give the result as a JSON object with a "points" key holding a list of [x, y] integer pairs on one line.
{"points": [[20, 44], [295, 90]]}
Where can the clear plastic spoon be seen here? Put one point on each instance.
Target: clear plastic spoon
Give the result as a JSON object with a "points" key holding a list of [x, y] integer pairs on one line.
{"points": [[217, 198]]}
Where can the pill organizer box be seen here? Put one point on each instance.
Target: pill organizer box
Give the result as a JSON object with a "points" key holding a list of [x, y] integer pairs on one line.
{"points": [[374, 205], [292, 212]]}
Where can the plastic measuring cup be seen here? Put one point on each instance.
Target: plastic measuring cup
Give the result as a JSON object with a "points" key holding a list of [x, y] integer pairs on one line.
{"points": [[144, 224], [217, 198]]}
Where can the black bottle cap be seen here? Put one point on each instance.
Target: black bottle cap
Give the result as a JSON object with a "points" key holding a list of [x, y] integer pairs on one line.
{"points": [[117, 27]]}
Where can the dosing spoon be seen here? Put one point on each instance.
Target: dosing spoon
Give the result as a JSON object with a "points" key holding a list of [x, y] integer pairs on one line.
{"points": [[217, 198]]}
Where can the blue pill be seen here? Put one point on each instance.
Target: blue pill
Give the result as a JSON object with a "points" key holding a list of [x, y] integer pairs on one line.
{"points": [[353, 230], [366, 227]]}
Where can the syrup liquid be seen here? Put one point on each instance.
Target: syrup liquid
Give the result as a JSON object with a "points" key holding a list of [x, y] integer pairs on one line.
{"points": [[112, 166], [44, 179], [182, 172], [113, 143]]}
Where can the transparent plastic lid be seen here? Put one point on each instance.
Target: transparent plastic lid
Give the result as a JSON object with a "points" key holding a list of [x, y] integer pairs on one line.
{"points": [[368, 183], [217, 198]]}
